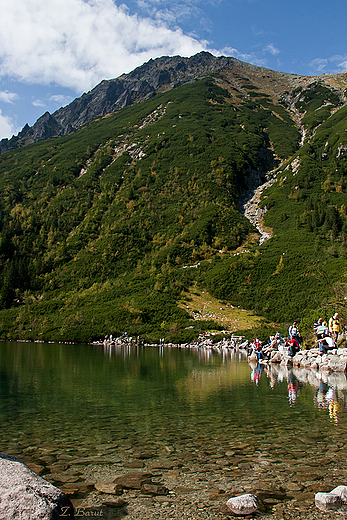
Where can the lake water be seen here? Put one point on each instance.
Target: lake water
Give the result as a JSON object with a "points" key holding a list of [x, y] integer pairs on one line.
{"points": [[82, 414]]}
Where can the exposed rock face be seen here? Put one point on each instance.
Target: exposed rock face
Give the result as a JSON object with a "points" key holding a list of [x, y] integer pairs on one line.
{"points": [[111, 95], [26, 495]]}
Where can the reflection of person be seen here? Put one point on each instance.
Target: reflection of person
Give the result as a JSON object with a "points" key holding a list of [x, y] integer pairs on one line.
{"points": [[270, 374], [333, 404], [256, 373], [319, 399], [293, 389]]}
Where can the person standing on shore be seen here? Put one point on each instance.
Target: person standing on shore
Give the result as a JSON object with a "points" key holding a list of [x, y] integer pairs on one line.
{"points": [[335, 327]]}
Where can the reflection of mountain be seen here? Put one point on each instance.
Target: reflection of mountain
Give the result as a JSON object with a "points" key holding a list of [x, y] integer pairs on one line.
{"points": [[201, 384]]}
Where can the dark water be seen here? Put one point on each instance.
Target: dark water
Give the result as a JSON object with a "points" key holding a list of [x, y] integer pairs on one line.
{"points": [[59, 402]]}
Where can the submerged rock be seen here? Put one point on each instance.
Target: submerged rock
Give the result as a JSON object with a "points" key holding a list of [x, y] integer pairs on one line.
{"points": [[134, 480], [24, 494], [336, 500], [243, 505]]}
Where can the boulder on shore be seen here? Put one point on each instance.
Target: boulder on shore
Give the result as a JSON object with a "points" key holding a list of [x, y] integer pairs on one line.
{"points": [[26, 495]]}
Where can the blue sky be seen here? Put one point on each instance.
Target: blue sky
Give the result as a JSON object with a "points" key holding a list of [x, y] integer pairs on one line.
{"points": [[52, 51]]}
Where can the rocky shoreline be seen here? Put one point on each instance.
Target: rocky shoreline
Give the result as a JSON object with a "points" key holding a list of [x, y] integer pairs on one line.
{"points": [[334, 361]]}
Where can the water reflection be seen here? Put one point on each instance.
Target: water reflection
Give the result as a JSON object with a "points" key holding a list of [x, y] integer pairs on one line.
{"points": [[257, 369], [294, 387], [331, 399], [331, 394], [65, 407], [199, 385]]}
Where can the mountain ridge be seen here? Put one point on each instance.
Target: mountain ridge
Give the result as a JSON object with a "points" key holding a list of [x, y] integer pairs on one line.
{"points": [[158, 75], [112, 95]]}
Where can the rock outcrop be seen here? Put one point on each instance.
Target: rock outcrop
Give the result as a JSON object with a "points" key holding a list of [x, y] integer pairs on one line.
{"points": [[26, 495]]}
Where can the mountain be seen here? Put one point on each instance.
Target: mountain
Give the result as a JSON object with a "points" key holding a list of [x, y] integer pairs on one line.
{"points": [[160, 75], [114, 226], [111, 95]]}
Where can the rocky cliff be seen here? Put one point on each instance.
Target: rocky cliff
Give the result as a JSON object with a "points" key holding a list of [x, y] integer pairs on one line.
{"points": [[110, 95]]}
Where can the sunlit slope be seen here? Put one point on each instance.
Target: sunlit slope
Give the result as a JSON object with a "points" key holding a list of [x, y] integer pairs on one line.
{"points": [[297, 271], [100, 229]]}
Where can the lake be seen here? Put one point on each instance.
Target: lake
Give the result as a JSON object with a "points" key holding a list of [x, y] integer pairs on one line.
{"points": [[205, 424]]}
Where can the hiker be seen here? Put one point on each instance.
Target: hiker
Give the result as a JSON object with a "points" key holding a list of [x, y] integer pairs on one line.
{"points": [[317, 324], [335, 327], [293, 333], [294, 347], [321, 331], [258, 348]]}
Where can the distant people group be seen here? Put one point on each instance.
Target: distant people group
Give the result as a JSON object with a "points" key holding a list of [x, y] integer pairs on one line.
{"points": [[326, 337], [327, 334]]}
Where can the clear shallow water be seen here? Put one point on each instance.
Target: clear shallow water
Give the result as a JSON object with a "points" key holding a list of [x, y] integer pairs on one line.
{"points": [[59, 403]]}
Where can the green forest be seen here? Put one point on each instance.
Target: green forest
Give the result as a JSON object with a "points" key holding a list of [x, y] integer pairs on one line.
{"points": [[105, 230]]}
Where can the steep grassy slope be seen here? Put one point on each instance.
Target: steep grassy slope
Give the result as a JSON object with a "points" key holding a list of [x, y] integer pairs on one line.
{"points": [[293, 275], [100, 229]]}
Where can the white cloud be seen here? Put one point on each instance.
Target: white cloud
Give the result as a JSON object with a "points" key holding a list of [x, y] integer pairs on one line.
{"points": [[253, 57], [7, 128], [77, 43], [61, 99], [38, 103], [332, 65], [8, 97], [256, 58], [319, 64], [272, 49]]}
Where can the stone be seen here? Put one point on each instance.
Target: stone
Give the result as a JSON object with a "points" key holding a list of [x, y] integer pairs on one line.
{"points": [[133, 464], [64, 477], [145, 455], [24, 494], [294, 486], [154, 489], [36, 468], [243, 505], [134, 480], [340, 491], [162, 465], [276, 357], [230, 453], [336, 500], [70, 489], [115, 503], [182, 490], [327, 501], [336, 365], [109, 488]]}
